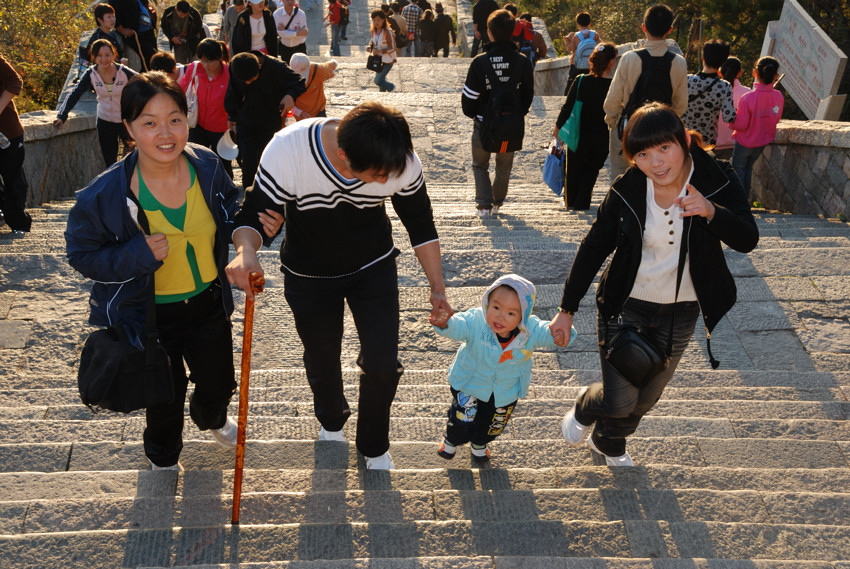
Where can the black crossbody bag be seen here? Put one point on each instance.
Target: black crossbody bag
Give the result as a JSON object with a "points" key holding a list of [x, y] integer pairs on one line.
{"points": [[115, 375]]}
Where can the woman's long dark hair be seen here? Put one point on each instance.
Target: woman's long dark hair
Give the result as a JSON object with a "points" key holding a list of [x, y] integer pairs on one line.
{"points": [[142, 88]]}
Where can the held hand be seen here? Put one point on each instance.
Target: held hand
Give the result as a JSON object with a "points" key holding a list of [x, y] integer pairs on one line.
{"points": [[58, 123], [561, 328], [271, 221], [239, 269], [441, 320], [555, 132], [302, 33], [439, 304], [558, 336], [281, 26], [477, 35], [158, 244], [695, 204]]}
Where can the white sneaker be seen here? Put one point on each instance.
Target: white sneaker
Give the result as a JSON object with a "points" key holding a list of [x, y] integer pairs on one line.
{"points": [[494, 210], [383, 462], [622, 460], [178, 467], [573, 431], [482, 213], [226, 436], [325, 435]]}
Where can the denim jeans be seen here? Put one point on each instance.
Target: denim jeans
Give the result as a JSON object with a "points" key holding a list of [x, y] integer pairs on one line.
{"points": [[334, 39], [616, 406], [413, 49], [381, 78], [318, 308], [743, 159], [488, 194]]}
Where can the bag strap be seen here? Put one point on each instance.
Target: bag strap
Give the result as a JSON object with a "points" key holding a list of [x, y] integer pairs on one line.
{"points": [[692, 98], [313, 67], [151, 334], [578, 86], [292, 17]]}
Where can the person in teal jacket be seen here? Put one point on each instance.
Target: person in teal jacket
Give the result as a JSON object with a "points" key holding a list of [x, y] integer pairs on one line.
{"points": [[492, 369]]}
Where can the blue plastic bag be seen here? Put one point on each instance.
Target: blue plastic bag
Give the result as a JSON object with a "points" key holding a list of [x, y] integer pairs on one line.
{"points": [[553, 167]]}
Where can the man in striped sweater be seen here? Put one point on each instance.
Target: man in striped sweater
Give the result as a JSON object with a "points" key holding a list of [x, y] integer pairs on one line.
{"points": [[330, 179]]}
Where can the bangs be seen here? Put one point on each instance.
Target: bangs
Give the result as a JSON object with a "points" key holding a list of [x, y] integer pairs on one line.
{"points": [[652, 125]]}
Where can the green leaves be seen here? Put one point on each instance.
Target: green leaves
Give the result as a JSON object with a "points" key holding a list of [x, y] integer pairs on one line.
{"points": [[40, 38]]}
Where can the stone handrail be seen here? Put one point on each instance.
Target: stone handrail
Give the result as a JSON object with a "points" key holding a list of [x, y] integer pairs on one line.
{"points": [[806, 169]]}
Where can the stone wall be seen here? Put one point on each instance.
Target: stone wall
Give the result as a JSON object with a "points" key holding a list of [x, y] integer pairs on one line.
{"points": [[58, 163], [806, 170]]}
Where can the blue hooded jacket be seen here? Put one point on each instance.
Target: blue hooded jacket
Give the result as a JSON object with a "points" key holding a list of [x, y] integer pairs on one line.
{"points": [[481, 367], [104, 242]]}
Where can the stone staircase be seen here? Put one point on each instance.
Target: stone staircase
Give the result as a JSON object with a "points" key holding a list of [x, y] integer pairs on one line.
{"points": [[744, 467]]}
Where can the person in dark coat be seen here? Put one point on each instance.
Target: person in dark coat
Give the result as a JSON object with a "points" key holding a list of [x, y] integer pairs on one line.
{"points": [[665, 221], [184, 28], [445, 26], [584, 162], [255, 30]]}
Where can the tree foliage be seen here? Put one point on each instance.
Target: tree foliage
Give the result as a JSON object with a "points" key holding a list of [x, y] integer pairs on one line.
{"points": [[40, 38]]}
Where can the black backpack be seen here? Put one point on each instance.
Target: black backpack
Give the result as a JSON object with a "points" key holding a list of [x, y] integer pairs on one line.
{"points": [[653, 85], [400, 38], [503, 122]]}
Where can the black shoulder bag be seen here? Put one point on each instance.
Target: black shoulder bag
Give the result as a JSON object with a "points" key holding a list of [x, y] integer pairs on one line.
{"points": [[116, 376]]}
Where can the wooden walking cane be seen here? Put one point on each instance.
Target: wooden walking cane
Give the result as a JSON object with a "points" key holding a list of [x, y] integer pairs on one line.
{"points": [[257, 281]]}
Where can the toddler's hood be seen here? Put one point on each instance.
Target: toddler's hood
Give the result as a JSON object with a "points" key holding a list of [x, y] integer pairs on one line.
{"points": [[524, 289]]}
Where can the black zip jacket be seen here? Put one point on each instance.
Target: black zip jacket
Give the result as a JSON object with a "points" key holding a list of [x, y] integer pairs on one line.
{"points": [[619, 227]]}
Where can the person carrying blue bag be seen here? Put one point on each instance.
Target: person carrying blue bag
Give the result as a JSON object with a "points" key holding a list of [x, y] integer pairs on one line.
{"points": [[585, 159]]}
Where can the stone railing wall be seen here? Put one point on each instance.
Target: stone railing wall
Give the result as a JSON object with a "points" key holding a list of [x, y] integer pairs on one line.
{"points": [[58, 163], [806, 170]]}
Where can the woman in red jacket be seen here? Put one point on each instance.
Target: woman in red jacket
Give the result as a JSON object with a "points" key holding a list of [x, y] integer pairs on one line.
{"points": [[210, 76]]}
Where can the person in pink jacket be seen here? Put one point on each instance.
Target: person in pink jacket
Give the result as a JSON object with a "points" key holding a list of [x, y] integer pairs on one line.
{"points": [[730, 71], [758, 113], [210, 75]]}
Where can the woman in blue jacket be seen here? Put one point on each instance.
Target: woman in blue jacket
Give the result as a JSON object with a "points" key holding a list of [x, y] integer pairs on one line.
{"points": [[183, 195]]}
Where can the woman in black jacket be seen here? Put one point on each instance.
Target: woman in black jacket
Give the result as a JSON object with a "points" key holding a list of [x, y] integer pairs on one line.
{"points": [[251, 22], [664, 220], [584, 162]]}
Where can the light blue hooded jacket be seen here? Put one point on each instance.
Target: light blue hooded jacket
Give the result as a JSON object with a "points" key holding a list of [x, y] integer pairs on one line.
{"points": [[481, 367]]}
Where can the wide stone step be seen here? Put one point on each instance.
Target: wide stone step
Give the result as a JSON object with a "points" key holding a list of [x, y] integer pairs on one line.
{"points": [[542, 429], [539, 538], [87, 514], [543, 562], [506, 453], [113, 484]]}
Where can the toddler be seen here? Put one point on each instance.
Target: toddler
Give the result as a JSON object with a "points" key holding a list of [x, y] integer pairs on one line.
{"points": [[492, 368]]}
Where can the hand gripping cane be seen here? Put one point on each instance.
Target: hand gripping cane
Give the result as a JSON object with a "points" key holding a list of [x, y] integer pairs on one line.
{"points": [[257, 281]]}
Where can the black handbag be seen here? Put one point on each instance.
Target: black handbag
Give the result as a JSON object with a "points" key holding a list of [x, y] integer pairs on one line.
{"points": [[375, 63], [634, 357], [115, 375]]}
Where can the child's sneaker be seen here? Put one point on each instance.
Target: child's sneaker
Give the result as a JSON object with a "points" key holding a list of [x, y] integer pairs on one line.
{"points": [[383, 462], [446, 450], [480, 453], [622, 460], [573, 431]]}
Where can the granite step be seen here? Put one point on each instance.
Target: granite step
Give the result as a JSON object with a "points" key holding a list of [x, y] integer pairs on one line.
{"points": [[538, 538], [506, 453], [89, 514], [68, 486]]}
